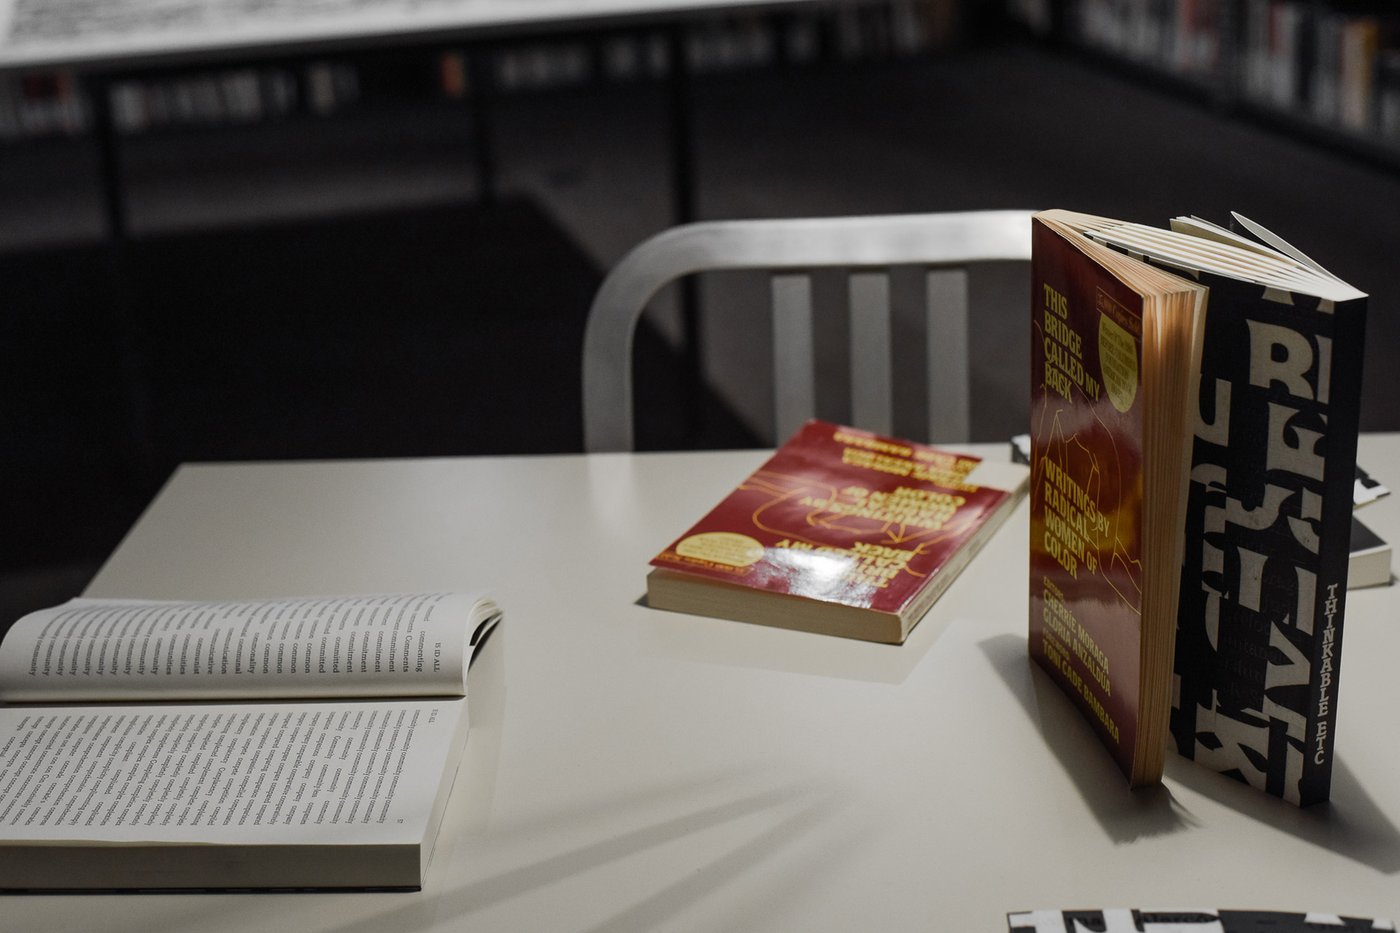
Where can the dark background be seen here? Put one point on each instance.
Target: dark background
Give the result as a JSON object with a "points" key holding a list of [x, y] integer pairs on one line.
{"points": [[337, 285]]}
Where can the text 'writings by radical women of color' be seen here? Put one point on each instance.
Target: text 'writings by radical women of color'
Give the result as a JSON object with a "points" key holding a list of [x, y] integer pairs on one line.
{"points": [[1073, 521]]}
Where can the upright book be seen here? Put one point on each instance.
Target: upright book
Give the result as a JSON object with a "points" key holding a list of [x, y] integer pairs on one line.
{"points": [[288, 744], [1113, 348], [1248, 517], [841, 532]]}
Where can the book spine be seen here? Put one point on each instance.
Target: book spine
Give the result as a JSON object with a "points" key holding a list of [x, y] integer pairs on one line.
{"points": [[1268, 529], [1343, 426]]}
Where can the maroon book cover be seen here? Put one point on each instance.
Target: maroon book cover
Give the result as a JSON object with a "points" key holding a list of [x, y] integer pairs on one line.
{"points": [[1087, 488], [841, 515]]}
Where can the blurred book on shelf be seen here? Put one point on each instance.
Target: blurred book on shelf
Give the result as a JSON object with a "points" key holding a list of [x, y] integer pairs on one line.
{"points": [[40, 105], [1328, 67]]}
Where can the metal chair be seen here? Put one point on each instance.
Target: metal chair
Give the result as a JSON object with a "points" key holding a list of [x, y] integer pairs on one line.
{"points": [[945, 244]]}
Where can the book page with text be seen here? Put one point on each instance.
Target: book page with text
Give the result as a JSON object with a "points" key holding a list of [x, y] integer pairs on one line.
{"points": [[363, 772], [340, 646]]}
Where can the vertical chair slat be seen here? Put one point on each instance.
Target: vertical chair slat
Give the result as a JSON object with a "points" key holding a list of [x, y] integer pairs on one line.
{"points": [[872, 397], [949, 380], [794, 369]]}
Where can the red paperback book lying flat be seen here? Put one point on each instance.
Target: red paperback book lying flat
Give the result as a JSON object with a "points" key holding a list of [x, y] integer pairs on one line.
{"points": [[842, 532]]}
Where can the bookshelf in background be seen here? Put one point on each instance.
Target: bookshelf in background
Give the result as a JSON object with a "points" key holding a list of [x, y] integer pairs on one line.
{"points": [[40, 105], [314, 88], [1328, 69], [46, 103]]}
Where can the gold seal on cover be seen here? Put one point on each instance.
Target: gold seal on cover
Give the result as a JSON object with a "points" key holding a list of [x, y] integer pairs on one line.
{"points": [[722, 547]]}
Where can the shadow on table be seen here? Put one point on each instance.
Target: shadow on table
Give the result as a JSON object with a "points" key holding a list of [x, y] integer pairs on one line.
{"points": [[791, 813], [1125, 815], [1351, 825]]}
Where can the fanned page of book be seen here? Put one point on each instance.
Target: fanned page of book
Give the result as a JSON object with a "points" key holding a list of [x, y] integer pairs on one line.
{"points": [[335, 646], [1195, 246]]}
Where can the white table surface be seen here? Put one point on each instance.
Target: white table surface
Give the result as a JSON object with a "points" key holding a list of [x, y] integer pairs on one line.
{"points": [[137, 32], [631, 769]]}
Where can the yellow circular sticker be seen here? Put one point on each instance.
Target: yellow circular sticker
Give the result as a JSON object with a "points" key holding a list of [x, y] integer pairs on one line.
{"points": [[722, 547], [1118, 363]]}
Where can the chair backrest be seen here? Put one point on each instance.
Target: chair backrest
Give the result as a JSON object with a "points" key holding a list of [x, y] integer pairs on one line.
{"points": [[945, 244]]}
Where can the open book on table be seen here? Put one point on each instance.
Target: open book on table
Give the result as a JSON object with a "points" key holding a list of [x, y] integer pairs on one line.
{"points": [[284, 743]]}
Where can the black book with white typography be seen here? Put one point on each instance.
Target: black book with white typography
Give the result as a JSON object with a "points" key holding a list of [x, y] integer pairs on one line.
{"points": [[1184, 921], [1264, 584], [303, 743], [1268, 516]]}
